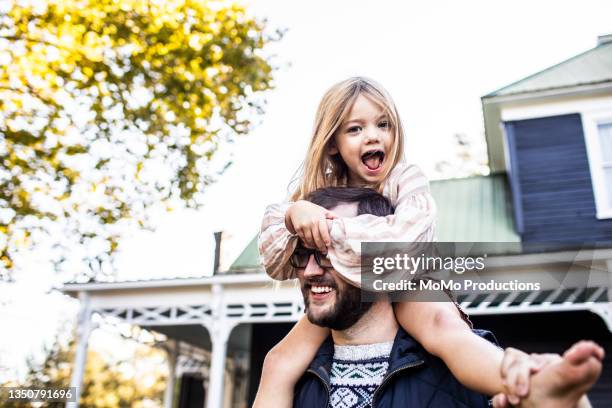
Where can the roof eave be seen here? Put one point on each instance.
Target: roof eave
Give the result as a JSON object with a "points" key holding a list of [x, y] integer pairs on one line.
{"points": [[574, 90], [73, 289]]}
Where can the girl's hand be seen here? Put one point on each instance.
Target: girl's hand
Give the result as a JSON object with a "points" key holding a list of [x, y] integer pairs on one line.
{"points": [[516, 371], [309, 222]]}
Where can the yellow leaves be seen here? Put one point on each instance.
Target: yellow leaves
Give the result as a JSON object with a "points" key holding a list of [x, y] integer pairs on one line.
{"points": [[90, 39], [216, 53], [94, 54], [162, 50], [92, 47], [110, 30], [6, 262], [139, 167], [229, 25], [103, 89], [16, 13], [195, 64], [88, 72]]}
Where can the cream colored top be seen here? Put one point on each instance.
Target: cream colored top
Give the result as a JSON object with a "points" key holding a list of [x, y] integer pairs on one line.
{"points": [[414, 221]]}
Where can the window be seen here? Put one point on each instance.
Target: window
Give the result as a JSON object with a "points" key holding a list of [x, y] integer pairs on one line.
{"points": [[598, 136], [605, 141]]}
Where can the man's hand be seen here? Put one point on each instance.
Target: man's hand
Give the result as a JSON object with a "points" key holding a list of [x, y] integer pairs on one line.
{"points": [[309, 222]]}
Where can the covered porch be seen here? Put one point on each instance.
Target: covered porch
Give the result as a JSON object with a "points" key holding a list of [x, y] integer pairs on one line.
{"points": [[207, 323], [219, 328]]}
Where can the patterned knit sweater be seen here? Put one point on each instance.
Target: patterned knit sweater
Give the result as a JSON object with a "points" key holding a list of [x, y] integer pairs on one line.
{"points": [[356, 372]]}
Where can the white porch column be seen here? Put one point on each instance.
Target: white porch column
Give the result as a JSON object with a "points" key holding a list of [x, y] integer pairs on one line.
{"points": [[219, 329], [84, 327], [172, 352], [217, 370]]}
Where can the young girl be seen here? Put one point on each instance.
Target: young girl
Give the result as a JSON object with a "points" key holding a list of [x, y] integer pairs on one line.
{"points": [[358, 140]]}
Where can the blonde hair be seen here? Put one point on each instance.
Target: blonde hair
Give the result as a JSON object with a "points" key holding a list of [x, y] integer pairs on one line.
{"points": [[320, 169]]}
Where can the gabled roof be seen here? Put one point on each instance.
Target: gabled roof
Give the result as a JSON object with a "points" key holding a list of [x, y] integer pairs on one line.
{"points": [[589, 68], [473, 209], [586, 74]]}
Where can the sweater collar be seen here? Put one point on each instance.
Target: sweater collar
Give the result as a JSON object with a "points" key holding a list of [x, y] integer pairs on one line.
{"points": [[405, 350]]}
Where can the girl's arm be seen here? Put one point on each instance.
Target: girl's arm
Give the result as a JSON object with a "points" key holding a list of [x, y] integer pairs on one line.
{"points": [[282, 225], [286, 362], [413, 221], [474, 361], [276, 243]]}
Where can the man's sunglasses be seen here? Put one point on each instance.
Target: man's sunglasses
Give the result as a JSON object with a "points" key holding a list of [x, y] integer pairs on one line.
{"points": [[301, 255]]}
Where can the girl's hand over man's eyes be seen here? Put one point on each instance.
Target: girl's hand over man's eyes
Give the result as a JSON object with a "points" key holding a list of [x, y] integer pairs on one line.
{"points": [[309, 222]]}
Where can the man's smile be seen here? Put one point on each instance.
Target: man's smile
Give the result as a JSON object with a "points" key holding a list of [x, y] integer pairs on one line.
{"points": [[320, 294]]}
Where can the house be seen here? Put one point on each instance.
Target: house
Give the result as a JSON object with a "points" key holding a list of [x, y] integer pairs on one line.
{"points": [[551, 133], [549, 140]]}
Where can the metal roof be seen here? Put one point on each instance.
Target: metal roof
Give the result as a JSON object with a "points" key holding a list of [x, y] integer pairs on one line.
{"points": [[474, 209], [248, 260], [591, 67]]}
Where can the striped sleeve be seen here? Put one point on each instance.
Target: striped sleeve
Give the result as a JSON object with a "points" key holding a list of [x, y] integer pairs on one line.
{"points": [[276, 243], [413, 221]]}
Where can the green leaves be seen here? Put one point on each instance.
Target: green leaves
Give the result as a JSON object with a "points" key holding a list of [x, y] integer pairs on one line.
{"points": [[109, 105]]}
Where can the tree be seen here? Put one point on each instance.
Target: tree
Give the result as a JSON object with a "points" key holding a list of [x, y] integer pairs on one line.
{"points": [[105, 384], [110, 108]]}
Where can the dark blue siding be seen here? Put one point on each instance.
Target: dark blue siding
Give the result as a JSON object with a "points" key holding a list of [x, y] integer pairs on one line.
{"points": [[551, 182]]}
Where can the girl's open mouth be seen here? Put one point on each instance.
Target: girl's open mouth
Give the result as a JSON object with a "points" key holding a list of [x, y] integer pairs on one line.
{"points": [[373, 159]]}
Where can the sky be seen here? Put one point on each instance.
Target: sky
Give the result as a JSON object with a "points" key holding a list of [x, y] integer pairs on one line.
{"points": [[436, 58]]}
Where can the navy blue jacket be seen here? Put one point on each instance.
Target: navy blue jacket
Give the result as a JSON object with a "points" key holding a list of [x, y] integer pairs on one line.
{"points": [[415, 379]]}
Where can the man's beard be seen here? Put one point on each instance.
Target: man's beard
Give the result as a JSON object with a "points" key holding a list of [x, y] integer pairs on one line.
{"points": [[347, 310]]}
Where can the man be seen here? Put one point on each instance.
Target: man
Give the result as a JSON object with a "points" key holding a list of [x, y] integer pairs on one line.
{"points": [[370, 361]]}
